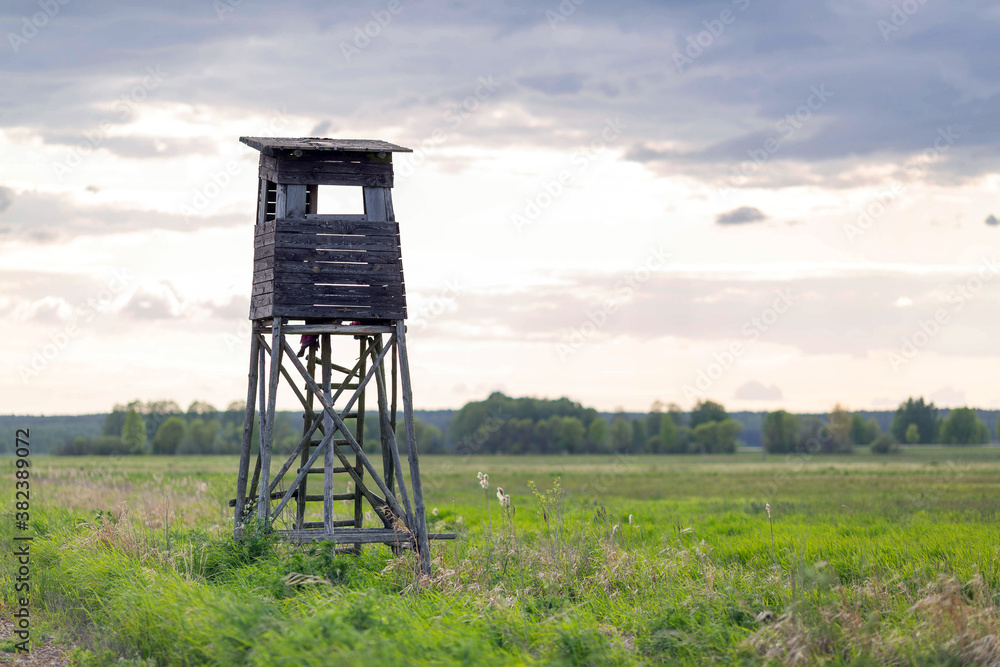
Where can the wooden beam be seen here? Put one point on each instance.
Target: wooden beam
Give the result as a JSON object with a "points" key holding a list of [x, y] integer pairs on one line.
{"points": [[291, 201], [261, 417], [339, 329], [264, 502], [284, 373], [328, 430], [247, 442], [375, 204], [329, 409], [359, 426], [363, 536], [302, 446], [300, 511], [261, 201], [302, 473], [384, 423], [393, 449], [418, 494]]}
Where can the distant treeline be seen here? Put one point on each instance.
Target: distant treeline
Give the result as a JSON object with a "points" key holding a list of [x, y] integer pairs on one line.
{"points": [[914, 423], [504, 424]]}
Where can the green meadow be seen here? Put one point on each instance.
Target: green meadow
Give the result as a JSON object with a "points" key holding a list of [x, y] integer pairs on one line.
{"points": [[599, 560]]}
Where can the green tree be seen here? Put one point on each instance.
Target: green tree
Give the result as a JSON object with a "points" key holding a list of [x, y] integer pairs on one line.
{"points": [[169, 436], [912, 434], [639, 435], [964, 427], [621, 433], [134, 432], [676, 414], [813, 436], [707, 411], [597, 434], [114, 421], [859, 433], [915, 411], [706, 437], [668, 433], [717, 437], [685, 440], [201, 436], [872, 430], [201, 408], [654, 419], [780, 432], [839, 424], [430, 439], [884, 443], [574, 435]]}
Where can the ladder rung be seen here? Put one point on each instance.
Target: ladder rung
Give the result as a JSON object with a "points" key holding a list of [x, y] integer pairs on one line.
{"points": [[318, 498], [336, 441], [343, 523], [320, 471], [349, 415]]}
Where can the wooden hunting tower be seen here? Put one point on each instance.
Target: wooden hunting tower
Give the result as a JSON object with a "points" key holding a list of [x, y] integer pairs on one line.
{"points": [[339, 279]]}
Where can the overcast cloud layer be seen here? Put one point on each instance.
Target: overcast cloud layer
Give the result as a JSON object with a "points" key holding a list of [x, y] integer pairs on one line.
{"points": [[839, 152]]}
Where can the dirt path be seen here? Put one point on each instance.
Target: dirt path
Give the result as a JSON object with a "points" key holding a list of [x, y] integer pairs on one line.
{"points": [[45, 654]]}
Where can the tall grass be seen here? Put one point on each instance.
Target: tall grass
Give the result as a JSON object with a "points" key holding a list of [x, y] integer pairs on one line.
{"points": [[860, 568]]}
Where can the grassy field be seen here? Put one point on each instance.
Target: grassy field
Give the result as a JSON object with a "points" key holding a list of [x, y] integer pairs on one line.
{"points": [[615, 560]]}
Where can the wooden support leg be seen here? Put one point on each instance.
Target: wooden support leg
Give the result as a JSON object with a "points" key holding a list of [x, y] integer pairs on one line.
{"points": [[420, 523], [261, 417], [385, 423], [248, 419], [359, 469], [264, 501], [328, 461], [300, 511]]}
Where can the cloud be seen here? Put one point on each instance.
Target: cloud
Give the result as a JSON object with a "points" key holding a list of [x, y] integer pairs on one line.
{"points": [[948, 397], [755, 391], [39, 217], [992, 221], [148, 305], [238, 307], [6, 197], [850, 313], [741, 215]]}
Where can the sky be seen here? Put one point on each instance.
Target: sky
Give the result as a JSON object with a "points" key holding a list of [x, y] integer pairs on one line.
{"points": [[770, 205]]}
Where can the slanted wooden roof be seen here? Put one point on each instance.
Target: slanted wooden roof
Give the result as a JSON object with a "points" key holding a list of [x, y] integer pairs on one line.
{"points": [[270, 145]]}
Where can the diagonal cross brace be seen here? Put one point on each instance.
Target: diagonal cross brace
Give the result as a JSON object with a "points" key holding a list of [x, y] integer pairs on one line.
{"points": [[328, 408]]}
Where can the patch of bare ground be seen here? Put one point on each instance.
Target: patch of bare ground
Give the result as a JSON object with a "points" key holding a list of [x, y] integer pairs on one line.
{"points": [[45, 654]]}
